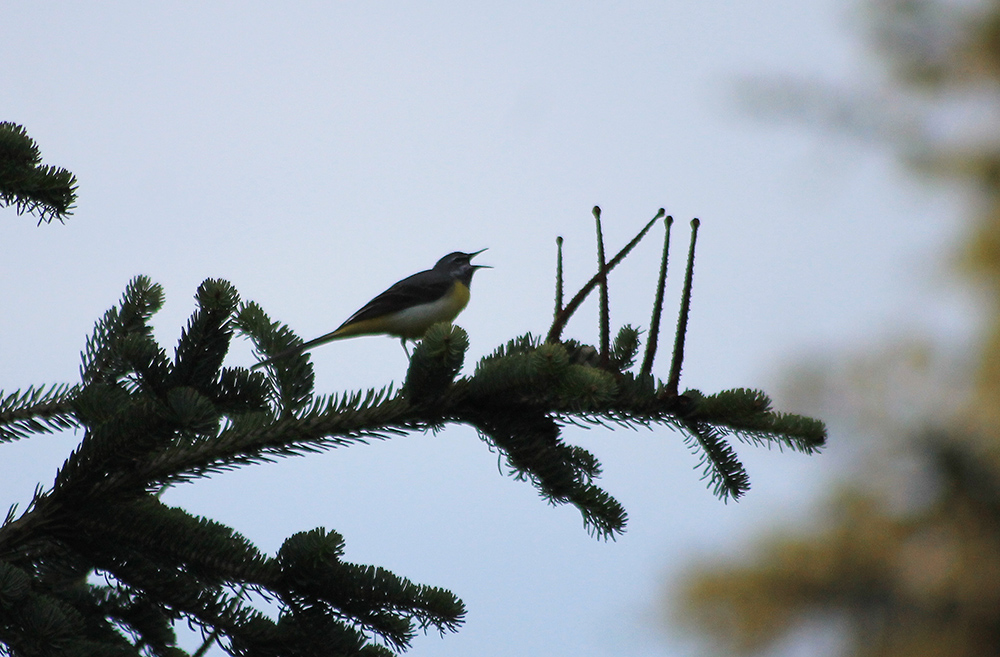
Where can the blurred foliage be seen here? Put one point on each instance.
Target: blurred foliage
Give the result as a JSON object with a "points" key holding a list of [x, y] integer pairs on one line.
{"points": [[904, 560]]}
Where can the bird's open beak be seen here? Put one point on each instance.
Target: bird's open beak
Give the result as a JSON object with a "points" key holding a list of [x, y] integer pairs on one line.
{"points": [[473, 255]]}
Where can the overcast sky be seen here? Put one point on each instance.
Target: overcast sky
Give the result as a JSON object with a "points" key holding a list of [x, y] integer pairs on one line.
{"points": [[314, 153]]}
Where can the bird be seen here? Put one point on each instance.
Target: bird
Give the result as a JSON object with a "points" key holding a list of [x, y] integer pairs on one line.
{"points": [[408, 308]]}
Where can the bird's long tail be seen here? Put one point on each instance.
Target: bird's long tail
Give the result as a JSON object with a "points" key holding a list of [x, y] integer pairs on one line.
{"points": [[305, 346]]}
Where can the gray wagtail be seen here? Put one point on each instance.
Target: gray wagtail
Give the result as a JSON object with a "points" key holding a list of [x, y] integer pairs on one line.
{"points": [[408, 308]]}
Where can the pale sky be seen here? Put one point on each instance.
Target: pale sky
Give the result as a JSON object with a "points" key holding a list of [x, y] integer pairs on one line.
{"points": [[314, 153]]}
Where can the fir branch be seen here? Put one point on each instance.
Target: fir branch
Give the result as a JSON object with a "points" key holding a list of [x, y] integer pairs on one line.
{"points": [[40, 617], [141, 363], [151, 422], [205, 341], [15, 584], [725, 473], [435, 362], [747, 414], [172, 538], [311, 630], [37, 410], [334, 404], [180, 596], [148, 623], [543, 377], [370, 418], [603, 516], [47, 192], [291, 378], [103, 360], [213, 633], [374, 598], [562, 474], [625, 348], [239, 391], [522, 344]]}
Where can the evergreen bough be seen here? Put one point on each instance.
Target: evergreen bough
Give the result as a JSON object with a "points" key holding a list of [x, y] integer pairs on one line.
{"points": [[46, 191], [98, 565]]}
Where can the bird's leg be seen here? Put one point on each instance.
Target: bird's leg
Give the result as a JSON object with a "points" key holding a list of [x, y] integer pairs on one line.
{"points": [[402, 341]]}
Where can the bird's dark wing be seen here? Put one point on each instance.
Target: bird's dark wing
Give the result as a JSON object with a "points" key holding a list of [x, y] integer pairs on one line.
{"points": [[423, 287]]}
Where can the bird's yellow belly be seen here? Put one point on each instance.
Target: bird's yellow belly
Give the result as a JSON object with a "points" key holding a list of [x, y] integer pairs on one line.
{"points": [[412, 323]]}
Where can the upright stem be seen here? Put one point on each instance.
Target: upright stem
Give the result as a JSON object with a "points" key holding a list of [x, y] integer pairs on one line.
{"points": [[559, 323], [602, 269], [654, 322], [675, 365], [559, 276]]}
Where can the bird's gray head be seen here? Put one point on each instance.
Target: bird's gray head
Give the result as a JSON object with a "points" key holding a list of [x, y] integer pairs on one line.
{"points": [[459, 265]]}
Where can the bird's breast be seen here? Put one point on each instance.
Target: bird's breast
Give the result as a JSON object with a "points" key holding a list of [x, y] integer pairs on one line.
{"points": [[414, 321]]}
